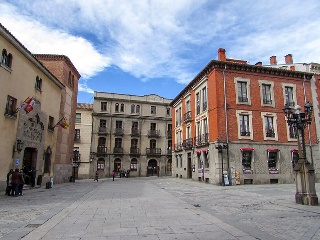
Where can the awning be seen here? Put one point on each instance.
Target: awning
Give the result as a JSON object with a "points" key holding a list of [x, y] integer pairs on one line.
{"points": [[273, 150], [246, 149]]}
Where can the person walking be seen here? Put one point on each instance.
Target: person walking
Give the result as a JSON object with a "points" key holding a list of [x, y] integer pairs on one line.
{"points": [[9, 185], [113, 175], [21, 183], [97, 176]]}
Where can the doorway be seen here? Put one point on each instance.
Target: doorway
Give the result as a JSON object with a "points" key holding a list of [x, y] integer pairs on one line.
{"points": [[29, 163], [152, 168], [189, 168]]}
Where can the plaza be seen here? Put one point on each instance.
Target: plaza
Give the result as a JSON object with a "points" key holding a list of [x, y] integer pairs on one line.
{"points": [[157, 208]]}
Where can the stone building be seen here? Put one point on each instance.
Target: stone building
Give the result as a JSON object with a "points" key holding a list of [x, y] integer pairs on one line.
{"points": [[82, 141], [30, 140], [131, 133], [229, 125]]}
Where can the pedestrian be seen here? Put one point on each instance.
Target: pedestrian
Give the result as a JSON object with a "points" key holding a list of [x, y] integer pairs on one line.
{"points": [[21, 183], [32, 175], [113, 175], [97, 176], [9, 185], [15, 182]]}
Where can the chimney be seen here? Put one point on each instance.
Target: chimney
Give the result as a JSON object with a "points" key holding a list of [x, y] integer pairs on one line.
{"points": [[288, 59], [222, 54], [258, 64], [273, 60]]}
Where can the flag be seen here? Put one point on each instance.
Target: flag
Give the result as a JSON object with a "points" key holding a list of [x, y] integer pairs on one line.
{"points": [[63, 123], [27, 105]]}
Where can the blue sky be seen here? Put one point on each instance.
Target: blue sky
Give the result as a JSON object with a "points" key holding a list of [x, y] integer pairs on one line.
{"points": [[145, 47]]}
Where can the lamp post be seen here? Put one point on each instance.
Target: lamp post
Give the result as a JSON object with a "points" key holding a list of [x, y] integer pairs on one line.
{"points": [[220, 148], [305, 178]]}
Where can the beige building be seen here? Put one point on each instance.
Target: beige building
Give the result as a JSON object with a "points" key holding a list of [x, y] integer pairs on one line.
{"points": [[28, 140], [131, 133], [82, 141]]}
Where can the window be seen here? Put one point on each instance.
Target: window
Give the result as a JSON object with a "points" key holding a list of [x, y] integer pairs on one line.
{"points": [[244, 125], [118, 142], [134, 164], [198, 103], [11, 106], [293, 132], [121, 107], [6, 59], [103, 106], [100, 164], [269, 127], [153, 110], [69, 79], [242, 86], [134, 143], [168, 111], [242, 92], [102, 141], [153, 143], [153, 126], [51, 123], [138, 109], [246, 159], [289, 96], [272, 158], [78, 117], [47, 160], [72, 81], [267, 93], [133, 108], [38, 84], [204, 99], [116, 107], [119, 124], [103, 123], [77, 135]]}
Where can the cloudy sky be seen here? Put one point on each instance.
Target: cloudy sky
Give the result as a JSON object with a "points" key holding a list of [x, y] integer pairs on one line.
{"points": [[141, 47]]}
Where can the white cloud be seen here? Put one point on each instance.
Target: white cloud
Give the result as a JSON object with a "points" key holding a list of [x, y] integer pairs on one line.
{"points": [[156, 39], [39, 38]]}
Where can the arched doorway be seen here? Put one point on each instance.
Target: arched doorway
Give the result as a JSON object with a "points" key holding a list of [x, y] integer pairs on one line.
{"points": [[29, 164], [169, 167], [152, 168]]}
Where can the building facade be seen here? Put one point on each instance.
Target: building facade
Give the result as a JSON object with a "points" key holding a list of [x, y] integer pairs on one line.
{"points": [[30, 139], [82, 141], [131, 133], [229, 125]]}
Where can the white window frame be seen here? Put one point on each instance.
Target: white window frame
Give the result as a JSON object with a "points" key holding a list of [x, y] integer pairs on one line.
{"points": [[247, 81], [266, 82], [249, 113], [294, 93], [275, 129]]}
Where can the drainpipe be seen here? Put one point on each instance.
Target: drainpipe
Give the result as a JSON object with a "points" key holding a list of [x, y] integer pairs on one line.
{"points": [[226, 124], [309, 133]]}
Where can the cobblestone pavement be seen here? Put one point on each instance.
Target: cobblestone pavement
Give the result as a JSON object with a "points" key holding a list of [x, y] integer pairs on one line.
{"points": [[157, 208]]}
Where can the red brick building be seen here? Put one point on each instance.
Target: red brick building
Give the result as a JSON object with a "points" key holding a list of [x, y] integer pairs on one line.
{"points": [[229, 121]]}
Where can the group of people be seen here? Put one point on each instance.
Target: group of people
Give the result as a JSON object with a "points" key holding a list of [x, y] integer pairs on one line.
{"points": [[15, 183], [16, 180]]}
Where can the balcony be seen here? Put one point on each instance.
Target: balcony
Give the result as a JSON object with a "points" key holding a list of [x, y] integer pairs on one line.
{"points": [[134, 152], [153, 133], [178, 147], [188, 143], [77, 138], [153, 151], [118, 150], [270, 134], [118, 131], [10, 113], [245, 133], [102, 131], [135, 132], [101, 150], [202, 140], [187, 117]]}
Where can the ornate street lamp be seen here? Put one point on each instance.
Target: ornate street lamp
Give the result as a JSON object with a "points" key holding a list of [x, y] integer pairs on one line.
{"points": [[305, 178]]}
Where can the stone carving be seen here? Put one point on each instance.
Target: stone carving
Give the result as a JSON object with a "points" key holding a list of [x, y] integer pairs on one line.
{"points": [[33, 129]]}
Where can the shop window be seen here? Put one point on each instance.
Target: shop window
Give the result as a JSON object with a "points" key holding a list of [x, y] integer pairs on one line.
{"points": [[133, 165], [247, 158], [100, 164], [273, 160]]}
